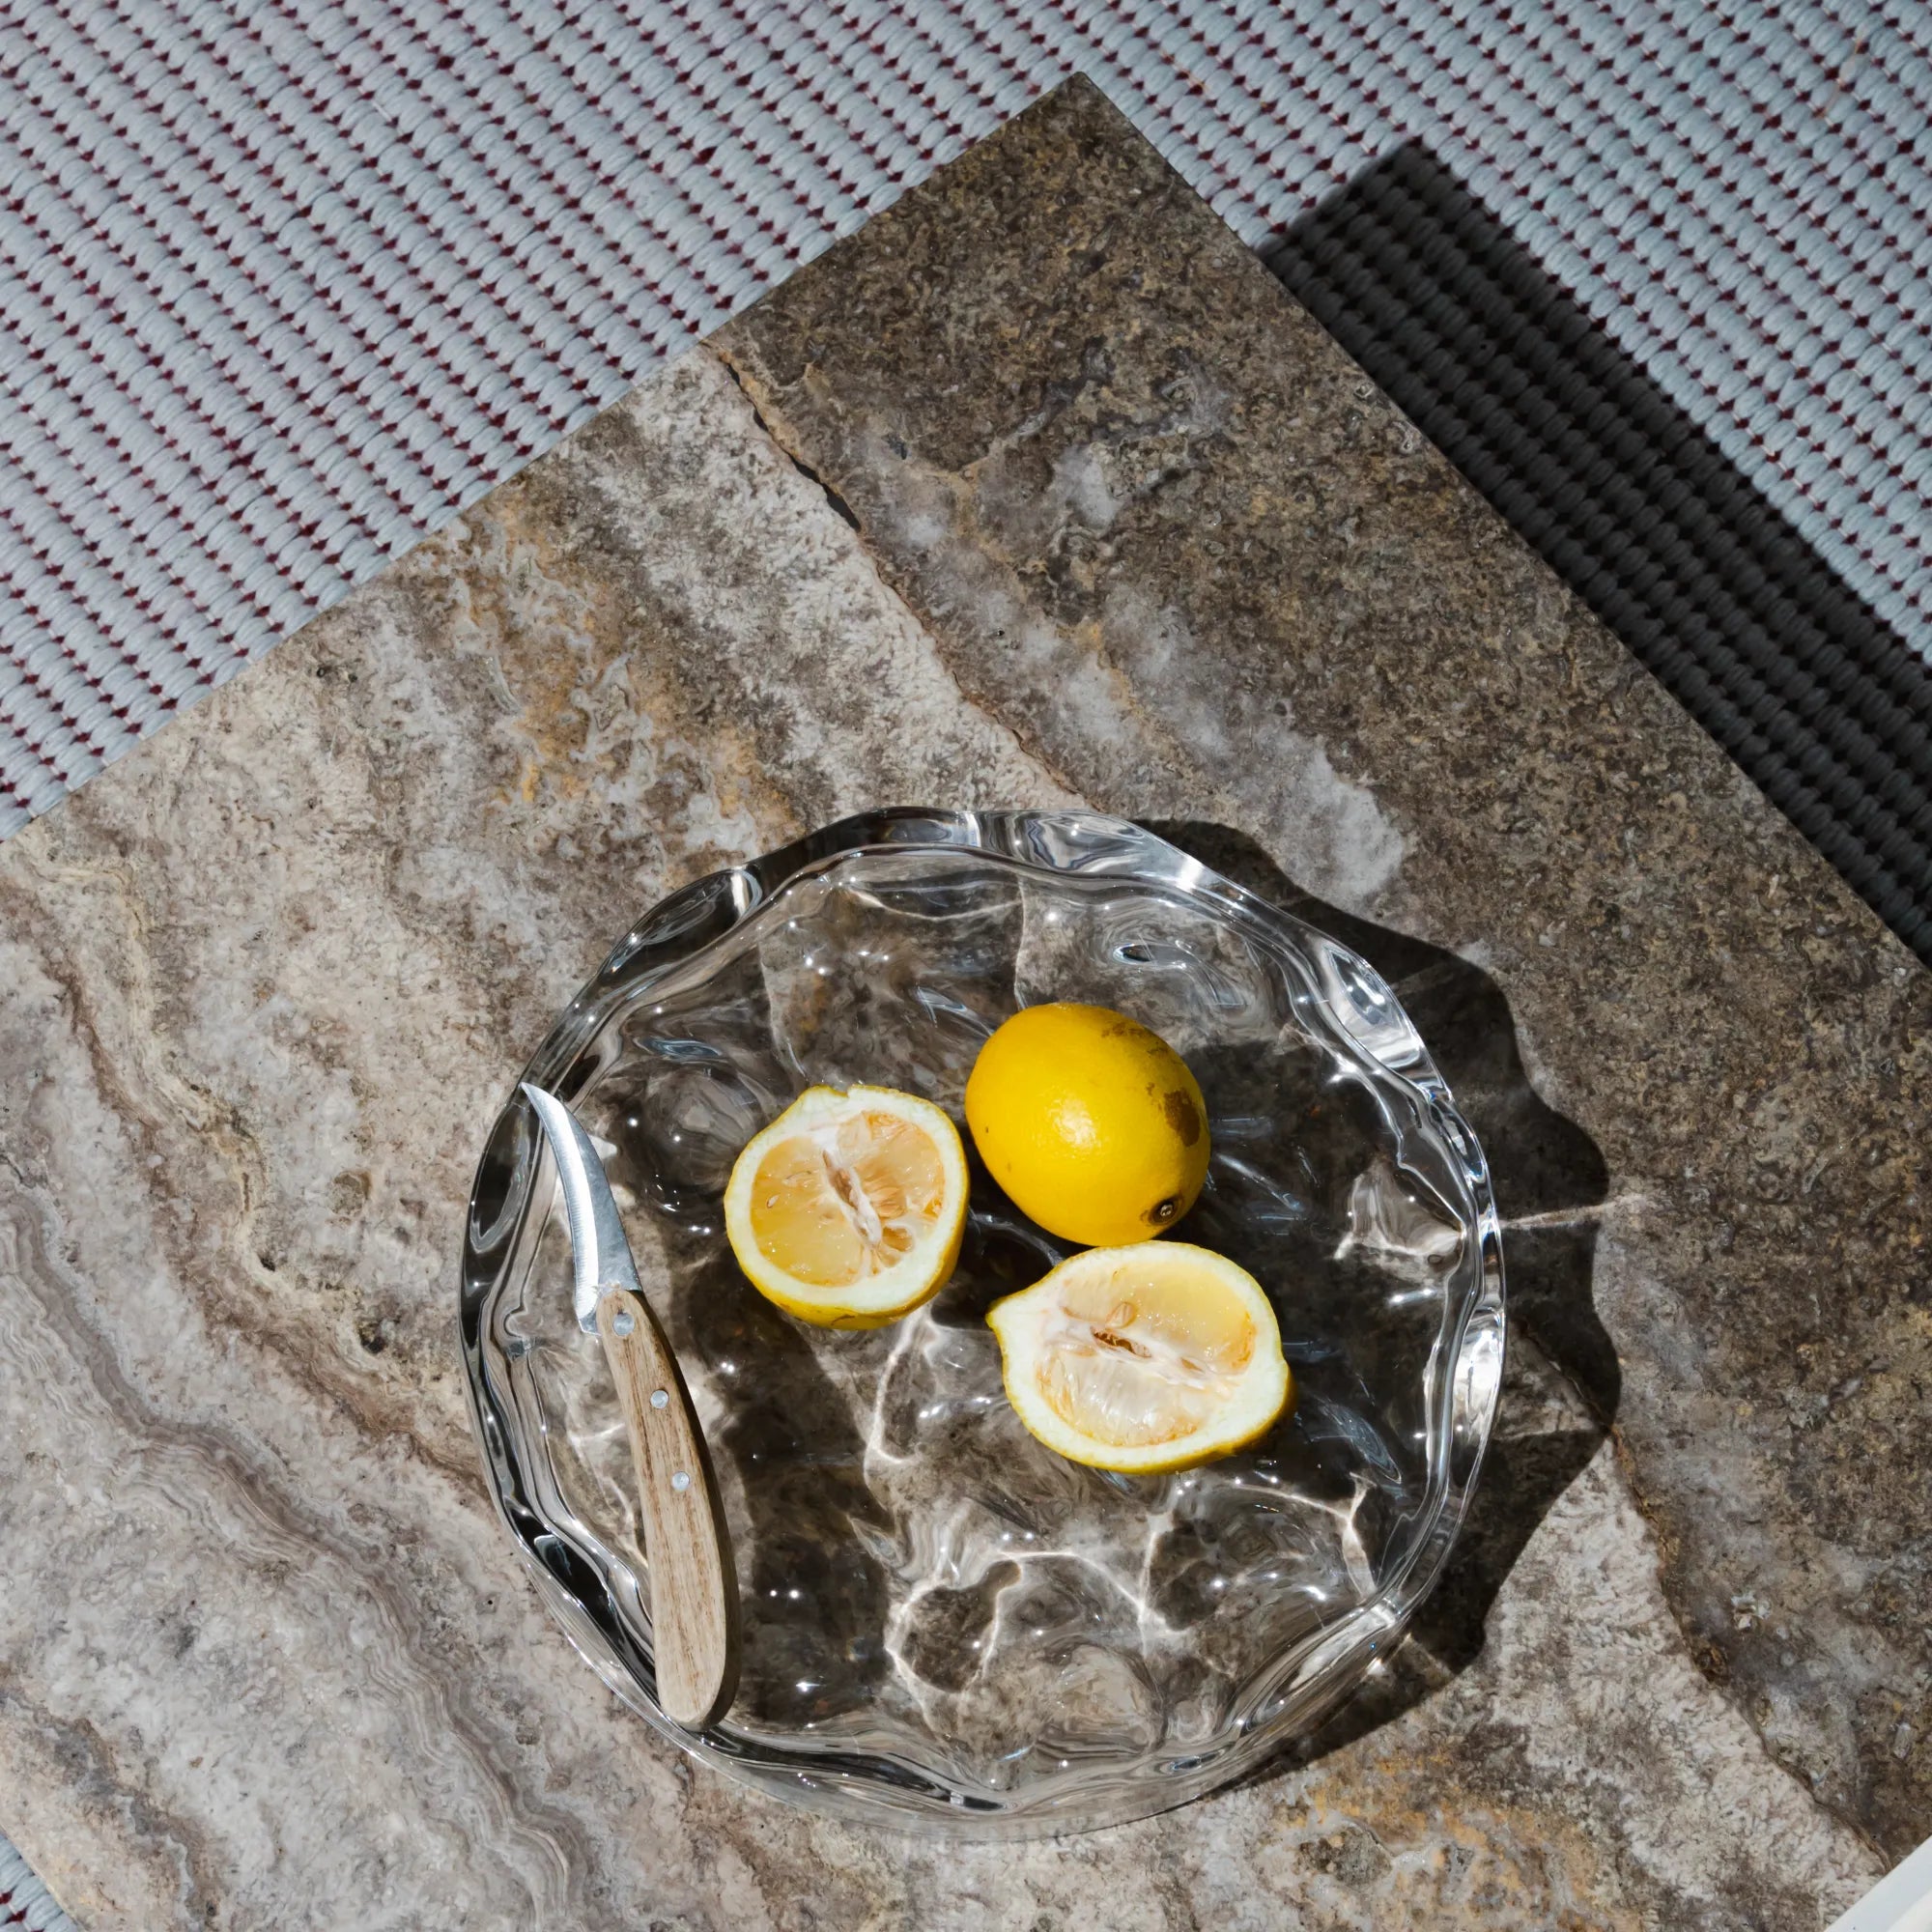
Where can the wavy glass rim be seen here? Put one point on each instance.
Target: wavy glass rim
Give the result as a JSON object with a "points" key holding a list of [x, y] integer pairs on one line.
{"points": [[593, 1592]]}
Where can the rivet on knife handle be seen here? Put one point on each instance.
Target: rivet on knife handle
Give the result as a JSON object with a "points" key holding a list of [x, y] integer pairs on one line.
{"points": [[693, 1594]]}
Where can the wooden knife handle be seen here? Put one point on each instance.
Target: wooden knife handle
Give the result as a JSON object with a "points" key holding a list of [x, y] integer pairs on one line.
{"points": [[694, 1589]]}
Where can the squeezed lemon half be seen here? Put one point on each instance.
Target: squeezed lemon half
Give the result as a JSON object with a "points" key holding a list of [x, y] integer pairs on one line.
{"points": [[1143, 1358], [849, 1209]]}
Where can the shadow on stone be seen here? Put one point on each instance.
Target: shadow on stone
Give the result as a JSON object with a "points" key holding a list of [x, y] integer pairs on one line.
{"points": [[1707, 582], [1562, 1384]]}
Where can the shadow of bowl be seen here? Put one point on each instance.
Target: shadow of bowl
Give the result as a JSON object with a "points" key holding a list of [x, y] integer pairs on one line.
{"points": [[1561, 1384]]}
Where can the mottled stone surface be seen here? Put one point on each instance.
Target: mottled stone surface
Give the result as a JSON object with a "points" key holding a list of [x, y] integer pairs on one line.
{"points": [[1157, 520], [1129, 531]]}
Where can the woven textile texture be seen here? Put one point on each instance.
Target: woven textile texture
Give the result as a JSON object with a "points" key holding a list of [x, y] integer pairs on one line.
{"points": [[25, 1901], [288, 282]]}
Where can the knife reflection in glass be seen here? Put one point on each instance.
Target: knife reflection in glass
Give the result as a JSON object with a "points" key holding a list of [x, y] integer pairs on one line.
{"points": [[693, 1594]]}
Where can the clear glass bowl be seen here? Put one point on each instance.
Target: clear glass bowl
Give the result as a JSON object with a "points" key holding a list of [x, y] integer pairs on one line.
{"points": [[944, 1623]]}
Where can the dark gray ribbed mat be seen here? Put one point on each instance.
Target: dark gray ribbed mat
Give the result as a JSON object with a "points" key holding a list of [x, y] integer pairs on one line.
{"points": [[1815, 696]]}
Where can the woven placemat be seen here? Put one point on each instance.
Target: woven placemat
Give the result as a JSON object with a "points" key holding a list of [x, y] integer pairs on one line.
{"points": [[289, 283], [25, 1901]]}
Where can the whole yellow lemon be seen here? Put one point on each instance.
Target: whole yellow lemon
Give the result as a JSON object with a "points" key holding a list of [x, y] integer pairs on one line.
{"points": [[1090, 1122]]}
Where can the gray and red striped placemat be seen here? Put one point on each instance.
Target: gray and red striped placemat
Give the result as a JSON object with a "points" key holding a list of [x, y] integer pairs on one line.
{"points": [[290, 281], [25, 1903]]}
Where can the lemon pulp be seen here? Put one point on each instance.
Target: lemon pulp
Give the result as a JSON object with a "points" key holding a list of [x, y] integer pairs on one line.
{"points": [[849, 1209], [835, 1206], [1147, 1357]]}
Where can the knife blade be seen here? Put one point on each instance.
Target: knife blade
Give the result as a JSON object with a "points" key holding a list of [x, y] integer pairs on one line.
{"points": [[600, 1251]]}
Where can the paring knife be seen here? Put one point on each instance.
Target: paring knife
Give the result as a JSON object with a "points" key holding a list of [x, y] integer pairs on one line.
{"points": [[694, 1591]]}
